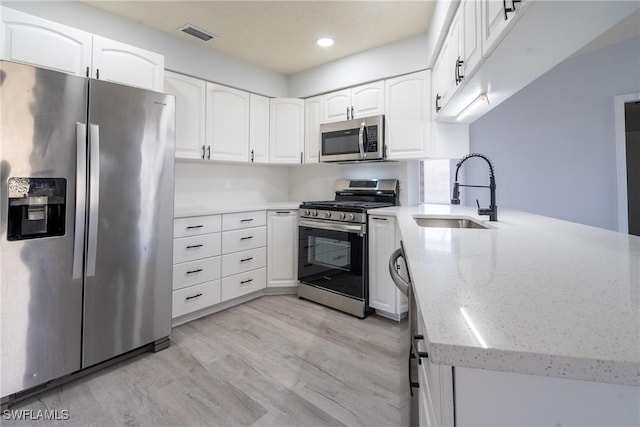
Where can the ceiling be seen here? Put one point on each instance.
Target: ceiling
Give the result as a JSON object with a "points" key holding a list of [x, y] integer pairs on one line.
{"points": [[280, 35]]}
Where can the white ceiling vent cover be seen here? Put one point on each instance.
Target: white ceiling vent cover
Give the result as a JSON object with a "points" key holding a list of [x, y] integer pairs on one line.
{"points": [[197, 32]]}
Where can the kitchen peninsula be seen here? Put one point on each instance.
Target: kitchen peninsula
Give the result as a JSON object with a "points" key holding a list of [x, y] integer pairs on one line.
{"points": [[527, 298]]}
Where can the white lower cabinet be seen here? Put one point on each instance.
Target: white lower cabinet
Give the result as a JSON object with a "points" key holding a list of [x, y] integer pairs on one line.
{"points": [[384, 296], [196, 263], [282, 248], [244, 283], [244, 253]]}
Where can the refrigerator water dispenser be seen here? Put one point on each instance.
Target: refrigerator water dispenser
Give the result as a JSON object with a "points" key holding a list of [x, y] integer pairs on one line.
{"points": [[36, 208]]}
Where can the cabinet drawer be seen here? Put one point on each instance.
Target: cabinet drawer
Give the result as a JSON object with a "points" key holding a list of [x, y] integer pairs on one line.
{"points": [[183, 227], [239, 262], [236, 221], [244, 283], [240, 240], [194, 272], [195, 297], [196, 247]]}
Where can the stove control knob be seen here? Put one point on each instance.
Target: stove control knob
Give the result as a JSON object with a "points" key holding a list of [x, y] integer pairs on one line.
{"points": [[306, 212], [351, 217], [314, 213], [342, 215], [327, 214]]}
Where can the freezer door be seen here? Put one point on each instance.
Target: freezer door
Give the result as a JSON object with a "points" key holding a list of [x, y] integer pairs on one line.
{"points": [[130, 220], [42, 121]]}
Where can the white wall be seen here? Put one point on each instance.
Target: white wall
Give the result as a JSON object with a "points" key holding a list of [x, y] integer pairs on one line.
{"points": [[179, 55], [316, 181], [402, 57], [200, 183], [553, 143]]}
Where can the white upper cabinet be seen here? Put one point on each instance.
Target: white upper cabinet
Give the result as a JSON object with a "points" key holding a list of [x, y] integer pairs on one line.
{"points": [[227, 123], [258, 129], [367, 100], [471, 43], [336, 106], [359, 101], [407, 116], [36, 41], [120, 63], [190, 96], [286, 129], [312, 114], [495, 20]]}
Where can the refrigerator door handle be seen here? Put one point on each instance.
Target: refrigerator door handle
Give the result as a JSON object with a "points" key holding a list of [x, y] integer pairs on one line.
{"points": [[81, 190], [94, 197]]}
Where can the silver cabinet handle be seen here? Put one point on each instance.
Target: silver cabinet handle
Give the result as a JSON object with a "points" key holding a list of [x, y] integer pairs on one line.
{"points": [[94, 198], [81, 190]]}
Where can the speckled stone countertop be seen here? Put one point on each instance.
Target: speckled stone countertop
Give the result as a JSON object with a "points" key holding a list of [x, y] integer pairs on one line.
{"points": [[198, 210], [532, 295]]}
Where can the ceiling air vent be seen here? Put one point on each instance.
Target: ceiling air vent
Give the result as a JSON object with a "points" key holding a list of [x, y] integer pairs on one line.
{"points": [[197, 32]]}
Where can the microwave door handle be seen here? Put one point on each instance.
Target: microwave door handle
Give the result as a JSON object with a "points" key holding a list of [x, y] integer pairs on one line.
{"points": [[361, 138]]}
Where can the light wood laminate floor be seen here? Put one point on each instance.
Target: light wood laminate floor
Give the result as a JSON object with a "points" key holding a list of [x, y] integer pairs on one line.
{"points": [[274, 361]]}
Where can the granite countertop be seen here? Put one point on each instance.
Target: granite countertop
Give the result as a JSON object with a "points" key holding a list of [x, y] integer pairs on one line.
{"points": [[198, 210], [532, 294]]}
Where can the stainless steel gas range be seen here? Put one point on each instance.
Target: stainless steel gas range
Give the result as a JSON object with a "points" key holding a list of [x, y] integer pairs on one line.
{"points": [[333, 251]]}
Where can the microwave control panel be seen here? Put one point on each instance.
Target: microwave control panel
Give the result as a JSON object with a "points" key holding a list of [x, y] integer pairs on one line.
{"points": [[372, 139]]}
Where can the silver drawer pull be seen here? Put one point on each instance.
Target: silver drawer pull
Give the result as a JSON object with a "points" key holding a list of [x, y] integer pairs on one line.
{"points": [[246, 238], [246, 281], [194, 246], [246, 259], [194, 271], [193, 296], [194, 226], [246, 220]]}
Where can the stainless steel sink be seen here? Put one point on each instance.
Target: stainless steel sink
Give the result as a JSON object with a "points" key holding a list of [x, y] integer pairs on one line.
{"points": [[449, 223]]}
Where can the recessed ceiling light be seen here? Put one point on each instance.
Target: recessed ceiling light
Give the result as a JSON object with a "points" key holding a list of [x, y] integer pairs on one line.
{"points": [[324, 42]]}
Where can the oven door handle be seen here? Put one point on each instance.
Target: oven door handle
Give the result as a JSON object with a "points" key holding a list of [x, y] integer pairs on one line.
{"points": [[328, 225], [397, 279]]}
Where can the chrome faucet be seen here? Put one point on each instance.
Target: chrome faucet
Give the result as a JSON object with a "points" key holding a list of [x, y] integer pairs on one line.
{"points": [[492, 210]]}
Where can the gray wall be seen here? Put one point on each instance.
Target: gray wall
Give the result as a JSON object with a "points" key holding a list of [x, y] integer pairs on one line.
{"points": [[553, 143]]}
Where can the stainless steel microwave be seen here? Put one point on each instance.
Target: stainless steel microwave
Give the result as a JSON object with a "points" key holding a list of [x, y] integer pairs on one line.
{"points": [[353, 140]]}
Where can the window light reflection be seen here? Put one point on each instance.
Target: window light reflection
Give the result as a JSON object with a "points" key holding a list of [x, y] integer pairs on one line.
{"points": [[473, 328]]}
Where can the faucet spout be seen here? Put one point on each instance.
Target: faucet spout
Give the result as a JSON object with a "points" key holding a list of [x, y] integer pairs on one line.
{"points": [[492, 210]]}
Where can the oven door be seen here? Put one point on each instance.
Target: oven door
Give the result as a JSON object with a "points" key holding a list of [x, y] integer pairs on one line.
{"points": [[332, 256]]}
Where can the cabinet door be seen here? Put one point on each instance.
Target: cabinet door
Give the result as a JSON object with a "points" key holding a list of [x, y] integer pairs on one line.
{"points": [[382, 242], [190, 96], [336, 106], [437, 83], [286, 129], [408, 116], [455, 73], [312, 114], [36, 41], [121, 63], [227, 123], [259, 129], [282, 248], [368, 100], [471, 42], [494, 22]]}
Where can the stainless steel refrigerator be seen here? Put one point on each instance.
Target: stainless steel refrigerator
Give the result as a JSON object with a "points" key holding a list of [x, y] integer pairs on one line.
{"points": [[86, 221]]}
